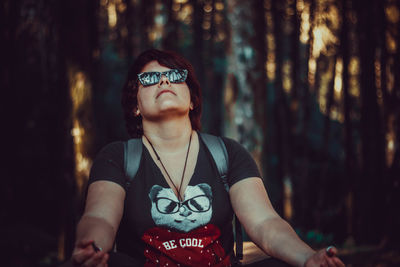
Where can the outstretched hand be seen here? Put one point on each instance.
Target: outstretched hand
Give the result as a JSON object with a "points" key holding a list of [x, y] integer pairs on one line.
{"points": [[325, 258], [86, 254]]}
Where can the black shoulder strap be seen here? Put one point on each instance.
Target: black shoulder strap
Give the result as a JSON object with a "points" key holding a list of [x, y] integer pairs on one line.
{"points": [[132, 154], [218, 151]]}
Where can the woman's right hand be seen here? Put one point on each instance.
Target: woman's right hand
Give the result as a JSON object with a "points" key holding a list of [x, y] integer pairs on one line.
{"points": [[84, 255], [325, 257]]}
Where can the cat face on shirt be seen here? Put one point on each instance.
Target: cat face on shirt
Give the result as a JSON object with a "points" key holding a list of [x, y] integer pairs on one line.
{"points": [[194, 211]]}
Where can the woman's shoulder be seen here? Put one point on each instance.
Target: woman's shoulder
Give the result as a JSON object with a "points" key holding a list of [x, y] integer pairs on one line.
{"points": [[227, 140], [112, 148], [241, 163], [233, 146], [230, 141], [114, 151], [109, 163]]}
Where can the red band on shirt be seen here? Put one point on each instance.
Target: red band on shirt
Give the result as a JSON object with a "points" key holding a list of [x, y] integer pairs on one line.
{"points": [[199, 247]]}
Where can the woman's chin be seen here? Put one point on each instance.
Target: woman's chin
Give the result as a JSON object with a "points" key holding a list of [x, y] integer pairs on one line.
{"points": [[172, 107], [169, 112]]}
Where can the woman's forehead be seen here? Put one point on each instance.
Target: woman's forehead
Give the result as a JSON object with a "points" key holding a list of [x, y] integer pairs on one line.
{"points": [[154, 66]]}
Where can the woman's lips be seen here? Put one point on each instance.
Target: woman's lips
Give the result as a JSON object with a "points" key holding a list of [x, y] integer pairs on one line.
{"points": [[165, 91]]}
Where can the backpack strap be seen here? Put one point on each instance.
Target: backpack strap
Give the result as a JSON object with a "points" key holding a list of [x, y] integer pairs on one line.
{"points": [[132, 155], [218, 151]]}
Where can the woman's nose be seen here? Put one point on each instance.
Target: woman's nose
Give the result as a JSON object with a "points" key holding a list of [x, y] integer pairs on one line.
{"points": [[165, 80]]}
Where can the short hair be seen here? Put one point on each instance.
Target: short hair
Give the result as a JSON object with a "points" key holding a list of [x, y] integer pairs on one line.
{"points": [[130, 89]]}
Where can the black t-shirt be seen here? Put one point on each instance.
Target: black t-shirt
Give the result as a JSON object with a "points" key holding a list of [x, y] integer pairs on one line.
{"points": [[157, 230]]}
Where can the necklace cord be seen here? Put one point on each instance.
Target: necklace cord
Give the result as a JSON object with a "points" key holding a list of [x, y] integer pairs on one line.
{"points": [[184, 167]]}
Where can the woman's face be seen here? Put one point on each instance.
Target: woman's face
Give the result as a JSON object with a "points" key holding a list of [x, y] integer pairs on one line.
{"points": [[164, 99]]}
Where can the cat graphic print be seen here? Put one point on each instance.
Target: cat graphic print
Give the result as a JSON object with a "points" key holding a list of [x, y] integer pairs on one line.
{"points": [[183, 235]]}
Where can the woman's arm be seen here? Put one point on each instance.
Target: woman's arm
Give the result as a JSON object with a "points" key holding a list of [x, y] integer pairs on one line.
{"points": [[268, 230], [99, 223]]}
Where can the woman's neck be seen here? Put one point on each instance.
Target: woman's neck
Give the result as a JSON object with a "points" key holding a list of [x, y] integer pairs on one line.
{"points": [[171, 135]]}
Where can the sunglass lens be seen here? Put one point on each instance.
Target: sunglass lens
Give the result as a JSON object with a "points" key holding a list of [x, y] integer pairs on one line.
{"points": [[176, 76], [149, 78]]}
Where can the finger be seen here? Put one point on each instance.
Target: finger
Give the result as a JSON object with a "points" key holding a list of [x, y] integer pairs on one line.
{"points": [[104, 261], [333, 261], [95, 260], [84, 243], [83, 251], [331, 251], [338, 262], [325, 259], [330, 262], [80, 256]]}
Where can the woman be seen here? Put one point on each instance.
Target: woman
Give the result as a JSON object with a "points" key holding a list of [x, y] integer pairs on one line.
{"points": [[176, 211]]}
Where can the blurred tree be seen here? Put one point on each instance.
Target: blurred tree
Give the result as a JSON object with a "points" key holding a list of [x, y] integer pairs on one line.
{"points": [[39, 185], [280, 106], [369, 183], [350, 162]]}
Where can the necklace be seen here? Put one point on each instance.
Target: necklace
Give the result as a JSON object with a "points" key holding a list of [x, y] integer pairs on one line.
{"points": [[184, 167]]}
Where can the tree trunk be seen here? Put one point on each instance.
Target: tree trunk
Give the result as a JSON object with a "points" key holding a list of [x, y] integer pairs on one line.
{"points": [[372, 153], [281, 107], [305, 98], [350, 162]]}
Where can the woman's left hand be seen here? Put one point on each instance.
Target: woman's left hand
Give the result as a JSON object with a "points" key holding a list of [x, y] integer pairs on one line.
{"points": [[324, 258]]}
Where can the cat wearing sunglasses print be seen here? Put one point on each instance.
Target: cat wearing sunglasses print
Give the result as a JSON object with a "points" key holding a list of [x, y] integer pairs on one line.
{"points": [[194, 211]]}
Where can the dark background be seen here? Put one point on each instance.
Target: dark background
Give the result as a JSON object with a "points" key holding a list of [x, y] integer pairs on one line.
{"points": [[310, 87]]}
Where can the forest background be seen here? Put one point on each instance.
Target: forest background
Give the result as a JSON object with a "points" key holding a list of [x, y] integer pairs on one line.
{"points": [[310, 87]]}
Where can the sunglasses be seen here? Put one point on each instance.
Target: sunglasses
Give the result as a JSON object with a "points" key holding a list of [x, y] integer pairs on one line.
{"points": [[197, 204], [154, 77]]}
